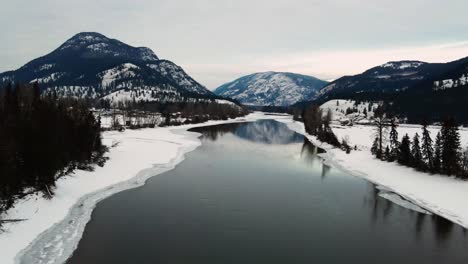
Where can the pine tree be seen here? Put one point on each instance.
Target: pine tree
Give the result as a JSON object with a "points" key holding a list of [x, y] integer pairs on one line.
{"points": [[394, 143], [426, 148], [451, 147], [387, 153], [437, 159], [375, 146], [417, 161], [404, 154]]}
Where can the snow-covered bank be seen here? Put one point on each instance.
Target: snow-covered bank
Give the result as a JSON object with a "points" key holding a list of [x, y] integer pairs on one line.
{"points": [[52, 228], [437, 194]]}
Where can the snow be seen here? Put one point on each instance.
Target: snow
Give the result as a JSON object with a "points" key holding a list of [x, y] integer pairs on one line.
{"points": [[146, 54], [52, 228], [49, 78], [120, 72], [401, 65], [46, 66], [220, 101], [269, 88], [437, 194], [339, 107], [395, 198], [176, 73], [74, 91], [142, 93], [451, 83], [98, 47]]}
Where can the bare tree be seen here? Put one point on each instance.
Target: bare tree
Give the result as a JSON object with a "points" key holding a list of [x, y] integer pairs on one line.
{"points": [[381, 124]]}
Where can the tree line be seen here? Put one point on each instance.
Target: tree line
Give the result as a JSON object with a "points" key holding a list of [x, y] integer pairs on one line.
{"points": [[444, 155], [317, 123], [41, 138], [176, 113]]}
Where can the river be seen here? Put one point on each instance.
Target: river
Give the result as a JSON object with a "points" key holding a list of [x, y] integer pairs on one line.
{"points": [[259, 193]]}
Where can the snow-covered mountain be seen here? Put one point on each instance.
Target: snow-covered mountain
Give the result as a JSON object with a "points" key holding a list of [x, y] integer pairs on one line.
{"points": [[90, 65], [389, 77], [271, 88], [412, 89]]}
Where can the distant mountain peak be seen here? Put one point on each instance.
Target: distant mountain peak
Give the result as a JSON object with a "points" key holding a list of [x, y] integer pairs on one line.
{"points": [[96, 44], [91, 65], [271, 88]]}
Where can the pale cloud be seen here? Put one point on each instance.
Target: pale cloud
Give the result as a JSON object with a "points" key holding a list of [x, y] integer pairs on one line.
{"points": [[331, 64], [217, 41]]}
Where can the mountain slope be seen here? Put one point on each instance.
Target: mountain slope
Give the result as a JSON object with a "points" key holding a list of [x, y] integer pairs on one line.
{"points": [[90, 65], [386, 78], [411, 89], [271, 88]]}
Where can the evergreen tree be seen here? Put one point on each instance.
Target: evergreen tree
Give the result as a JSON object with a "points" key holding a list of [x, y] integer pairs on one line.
{"points": [[42, 137], [451, 147], [387, 153], [404, 156], [417, 161], [427, 148], [375, 146], [437, 159], [394, 143]]}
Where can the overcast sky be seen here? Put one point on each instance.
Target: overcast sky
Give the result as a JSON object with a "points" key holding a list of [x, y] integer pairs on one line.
{"points": [[217, 41]]}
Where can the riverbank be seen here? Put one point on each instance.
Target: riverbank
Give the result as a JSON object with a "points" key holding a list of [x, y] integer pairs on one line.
{"points": [[134, 156], [53, 228], [438, 194]]}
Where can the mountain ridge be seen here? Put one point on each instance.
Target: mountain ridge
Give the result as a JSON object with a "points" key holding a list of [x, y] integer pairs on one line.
{"points": [[91, 65], [271, 88]]}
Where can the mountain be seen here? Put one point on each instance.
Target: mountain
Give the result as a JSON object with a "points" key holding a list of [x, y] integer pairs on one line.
{"points": [[389, 77], [413, 89], [271, 88], [90, 65]]}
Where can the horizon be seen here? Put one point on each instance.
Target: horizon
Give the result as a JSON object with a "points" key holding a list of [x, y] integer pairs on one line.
{"points": [[330, 39]]}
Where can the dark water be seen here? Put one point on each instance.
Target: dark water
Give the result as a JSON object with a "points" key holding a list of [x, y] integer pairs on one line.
{"points": [[257, 193]]}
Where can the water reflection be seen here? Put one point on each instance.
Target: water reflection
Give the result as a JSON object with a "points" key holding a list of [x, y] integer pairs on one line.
{"points": [[262, 131], [442, 229], [383, 210]]}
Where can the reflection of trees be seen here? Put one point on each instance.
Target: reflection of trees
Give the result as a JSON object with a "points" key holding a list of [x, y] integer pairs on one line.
{"points": [[261, 131], [325, 170], [310, 150], [268, 132], [420, 219], [213, 132], [442, 228], [381, 209]]}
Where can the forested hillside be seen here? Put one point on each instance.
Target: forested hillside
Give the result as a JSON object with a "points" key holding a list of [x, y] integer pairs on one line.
{"points": [[41, 138]]}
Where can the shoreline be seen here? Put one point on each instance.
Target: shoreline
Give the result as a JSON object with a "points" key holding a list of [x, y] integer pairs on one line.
{"points": [[384, 174]]}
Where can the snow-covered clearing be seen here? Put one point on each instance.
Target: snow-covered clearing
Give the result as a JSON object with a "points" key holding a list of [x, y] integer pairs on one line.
{"points": [[52, 228], [438, 194]]}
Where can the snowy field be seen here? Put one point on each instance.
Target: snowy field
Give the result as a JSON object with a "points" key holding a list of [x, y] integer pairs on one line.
{"points": [[52, 228]]}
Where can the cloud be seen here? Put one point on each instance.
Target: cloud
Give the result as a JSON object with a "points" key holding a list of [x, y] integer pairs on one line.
{"points": [[329, 64], [217, 41]]}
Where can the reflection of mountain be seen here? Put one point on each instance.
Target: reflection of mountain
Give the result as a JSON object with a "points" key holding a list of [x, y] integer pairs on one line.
{"points": [[261, 131], [268, 132], [213, 132]]}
